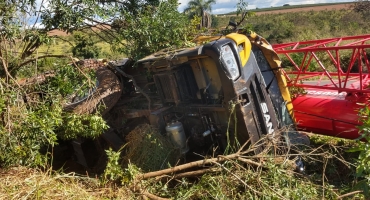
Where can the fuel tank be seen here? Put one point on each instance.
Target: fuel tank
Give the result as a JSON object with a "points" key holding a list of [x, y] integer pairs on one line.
{"points": [[175, 131]]}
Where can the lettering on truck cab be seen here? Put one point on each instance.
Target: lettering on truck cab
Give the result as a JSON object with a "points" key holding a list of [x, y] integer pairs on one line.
{"points": [[267, 117]]}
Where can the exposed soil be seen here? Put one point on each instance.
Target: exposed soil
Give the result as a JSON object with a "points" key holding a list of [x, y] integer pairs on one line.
{"points": [[57, 32]]}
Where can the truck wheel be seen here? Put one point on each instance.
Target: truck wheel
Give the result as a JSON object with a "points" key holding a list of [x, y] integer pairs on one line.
{"points": [[106, 92]]}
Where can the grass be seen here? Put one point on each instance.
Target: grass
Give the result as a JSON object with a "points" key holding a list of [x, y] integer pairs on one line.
{"points": [[27, 183], [59, 46], [329, 174]]}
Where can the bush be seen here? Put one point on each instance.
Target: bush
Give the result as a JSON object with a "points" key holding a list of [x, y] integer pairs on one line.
{"points": [[85, 47], [363, 147], [32, 119]]}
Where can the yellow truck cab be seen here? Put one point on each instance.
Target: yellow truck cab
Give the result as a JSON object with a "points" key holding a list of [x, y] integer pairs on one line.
{"points": [[226, 86]]}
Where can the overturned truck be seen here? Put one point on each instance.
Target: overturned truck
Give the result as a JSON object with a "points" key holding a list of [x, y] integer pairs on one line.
{"points": [[227, 90]]}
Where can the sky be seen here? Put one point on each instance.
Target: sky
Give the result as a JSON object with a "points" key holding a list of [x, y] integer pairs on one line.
{"points": [[226, 6]]}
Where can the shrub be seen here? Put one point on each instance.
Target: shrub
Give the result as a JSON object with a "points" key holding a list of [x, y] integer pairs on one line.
{"points": [[363, 147], [85, 47], [32, 119]]}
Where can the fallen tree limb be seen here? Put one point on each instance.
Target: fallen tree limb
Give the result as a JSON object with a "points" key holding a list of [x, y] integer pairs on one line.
{"points": [[194, 173], [251, 162], [199, 163], [152, 196], [349, 194]]}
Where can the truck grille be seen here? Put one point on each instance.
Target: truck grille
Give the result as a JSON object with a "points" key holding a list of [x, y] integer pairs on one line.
{"points": [[257, 98], [177, 86]]}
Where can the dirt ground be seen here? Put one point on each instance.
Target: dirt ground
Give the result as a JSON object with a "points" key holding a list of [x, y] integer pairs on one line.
{"points": [[57, 32]]}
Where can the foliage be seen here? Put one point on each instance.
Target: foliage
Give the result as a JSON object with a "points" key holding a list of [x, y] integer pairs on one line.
{"points": [[200, 8], [138, 27], [72, 15], [215, 21], [197, 7], [33, 119], [113, 170], [363, 147], [298, 59], [18, 41], [85, 47], [21, 34], [159, 28], [241, 7], [64, 80], [300, 26]]}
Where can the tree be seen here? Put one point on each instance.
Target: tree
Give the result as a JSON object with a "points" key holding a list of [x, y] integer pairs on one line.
{"points": [[24, 26], [31, 115], [201, 8], [158, 28], [85, 48]]}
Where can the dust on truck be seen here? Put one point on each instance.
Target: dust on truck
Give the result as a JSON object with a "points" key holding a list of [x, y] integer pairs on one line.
{"points": [[225, 91]]}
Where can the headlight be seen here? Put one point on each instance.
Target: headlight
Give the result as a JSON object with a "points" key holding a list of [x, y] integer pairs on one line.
{"points": [[229, 62]]}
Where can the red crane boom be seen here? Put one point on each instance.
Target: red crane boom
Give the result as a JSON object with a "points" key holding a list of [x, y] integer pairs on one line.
{"points": [[335, 74]]}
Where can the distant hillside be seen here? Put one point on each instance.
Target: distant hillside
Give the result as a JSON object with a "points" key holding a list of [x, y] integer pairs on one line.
{"points": [[58, 32], [298, 8]]}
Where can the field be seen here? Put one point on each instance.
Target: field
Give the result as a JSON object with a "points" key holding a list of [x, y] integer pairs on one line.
{"points": [[288, 9]]}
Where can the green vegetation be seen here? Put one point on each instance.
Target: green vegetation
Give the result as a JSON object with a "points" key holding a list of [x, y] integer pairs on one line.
{"points": [[202, 9], [291, 7], [159, 28], [85, 48], [363, 148], [301, 26], [329, 174], [32, 120], [35, 119]]}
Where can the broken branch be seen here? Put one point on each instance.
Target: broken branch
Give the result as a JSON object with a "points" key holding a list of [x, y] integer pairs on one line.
{"points": [[199, 163]]}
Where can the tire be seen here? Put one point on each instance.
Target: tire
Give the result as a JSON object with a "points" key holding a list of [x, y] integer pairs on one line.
{"points": [[107, 92]]}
